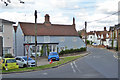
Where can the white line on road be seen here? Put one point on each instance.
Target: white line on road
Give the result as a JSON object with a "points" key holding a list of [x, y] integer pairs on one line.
{"points": [[76, 66], [72, 67]]}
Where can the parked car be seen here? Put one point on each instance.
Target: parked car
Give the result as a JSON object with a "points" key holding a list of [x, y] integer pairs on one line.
{"points": [[9, 63], [22, 61], [53, 56], [94, 44]]}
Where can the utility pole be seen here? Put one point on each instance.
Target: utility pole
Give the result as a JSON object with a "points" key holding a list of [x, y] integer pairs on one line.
{"points": [[35, 37], [86, 34]]}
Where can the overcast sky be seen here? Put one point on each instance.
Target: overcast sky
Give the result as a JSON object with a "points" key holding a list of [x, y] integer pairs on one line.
{"points": [[63, 11]]}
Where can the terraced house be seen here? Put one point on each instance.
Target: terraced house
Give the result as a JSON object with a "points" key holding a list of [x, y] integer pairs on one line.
{"points": [[114, 36], [6, 37], [55, 37], [99, 37]]}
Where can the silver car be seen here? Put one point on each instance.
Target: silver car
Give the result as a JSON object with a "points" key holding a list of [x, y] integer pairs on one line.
{"points": [[22, 61]]}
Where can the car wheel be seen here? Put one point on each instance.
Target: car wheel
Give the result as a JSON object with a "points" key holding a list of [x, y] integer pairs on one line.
{"points": [[24, 65]]}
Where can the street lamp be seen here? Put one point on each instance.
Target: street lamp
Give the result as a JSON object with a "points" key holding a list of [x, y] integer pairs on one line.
{"points": [[35, 37]]}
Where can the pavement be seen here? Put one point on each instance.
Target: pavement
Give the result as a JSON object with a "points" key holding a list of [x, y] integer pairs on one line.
{"points": [[100, 63], [42, 61]]}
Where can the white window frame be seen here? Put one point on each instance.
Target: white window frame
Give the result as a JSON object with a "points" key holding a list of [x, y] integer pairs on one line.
{"points": [[62, 39], [46, 39]]}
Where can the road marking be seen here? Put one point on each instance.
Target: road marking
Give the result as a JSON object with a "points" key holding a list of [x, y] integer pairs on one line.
{"points": [[76, 66], [72, 67], [45, 73]]}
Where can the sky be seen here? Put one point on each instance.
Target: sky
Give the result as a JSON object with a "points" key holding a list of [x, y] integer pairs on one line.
{"points": [[63, 11]]}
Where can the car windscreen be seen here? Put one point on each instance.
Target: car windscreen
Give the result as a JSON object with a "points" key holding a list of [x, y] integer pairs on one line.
{"points": [[11, 61], [25, 58], [53, 54]]}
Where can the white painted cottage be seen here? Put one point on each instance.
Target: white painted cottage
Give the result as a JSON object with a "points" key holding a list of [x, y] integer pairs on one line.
{"points": [[55, 36]]}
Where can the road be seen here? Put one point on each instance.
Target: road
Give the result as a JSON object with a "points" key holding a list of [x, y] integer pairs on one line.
{"points": [[100, 63]]}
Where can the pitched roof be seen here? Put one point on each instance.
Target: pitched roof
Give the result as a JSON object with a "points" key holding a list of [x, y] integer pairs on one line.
{"points": [[50, 30], [6, 21]]}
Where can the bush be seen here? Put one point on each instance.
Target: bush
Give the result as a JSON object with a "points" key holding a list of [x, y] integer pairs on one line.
{"points": [[8, 56], [68, 51]]}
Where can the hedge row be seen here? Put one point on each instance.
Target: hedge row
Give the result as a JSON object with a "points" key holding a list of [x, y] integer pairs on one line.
{"points": [[68, 51]]}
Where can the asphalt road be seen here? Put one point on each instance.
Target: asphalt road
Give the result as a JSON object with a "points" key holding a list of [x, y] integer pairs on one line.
{"points": [[100, 63]]}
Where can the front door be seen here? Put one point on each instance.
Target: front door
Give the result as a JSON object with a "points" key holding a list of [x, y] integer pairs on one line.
{"points": [[1, 46]]}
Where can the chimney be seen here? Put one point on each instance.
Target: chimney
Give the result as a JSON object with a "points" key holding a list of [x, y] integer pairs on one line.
{"points": [[73, 21], [47, 18], [105, 29]]}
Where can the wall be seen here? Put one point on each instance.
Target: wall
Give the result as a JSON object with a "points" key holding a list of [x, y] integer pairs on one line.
{"points": [[20, 41], [64, 41], [8, 36]]}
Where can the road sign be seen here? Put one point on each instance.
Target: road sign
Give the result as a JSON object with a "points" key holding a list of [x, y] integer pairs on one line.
{"points": [[27, 48]]}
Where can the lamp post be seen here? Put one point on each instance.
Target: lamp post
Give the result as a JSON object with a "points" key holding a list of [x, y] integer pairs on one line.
{"points": [[35, 37]]}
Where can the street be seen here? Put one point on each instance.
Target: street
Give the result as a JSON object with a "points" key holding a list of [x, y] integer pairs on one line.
{"points": [[100, 63]]}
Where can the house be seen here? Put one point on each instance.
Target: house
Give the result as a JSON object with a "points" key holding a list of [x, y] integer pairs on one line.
{"points": [[52, 37], [6, 37], [99, 37], [114, 35], [118, 37]]}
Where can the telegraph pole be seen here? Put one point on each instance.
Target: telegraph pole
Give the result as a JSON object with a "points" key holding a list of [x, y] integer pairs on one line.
{"points": [[35, 37], [86, 34]]}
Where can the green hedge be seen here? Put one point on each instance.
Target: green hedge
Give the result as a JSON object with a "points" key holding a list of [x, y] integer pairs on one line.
{"points": [[8, 56], [68, 51]]}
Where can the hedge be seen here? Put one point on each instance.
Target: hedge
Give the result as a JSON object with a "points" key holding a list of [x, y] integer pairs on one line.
{"points": [[8, 56], [68, 51]]}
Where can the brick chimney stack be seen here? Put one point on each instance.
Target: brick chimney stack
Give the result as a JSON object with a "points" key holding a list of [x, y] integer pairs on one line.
{"points": [[105, 29], [47, 18]]}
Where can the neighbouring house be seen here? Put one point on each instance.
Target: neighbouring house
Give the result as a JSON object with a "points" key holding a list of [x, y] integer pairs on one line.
{"points": [[118, 38], [114, 35], [99, 37], [6, 37], [50, 37]]}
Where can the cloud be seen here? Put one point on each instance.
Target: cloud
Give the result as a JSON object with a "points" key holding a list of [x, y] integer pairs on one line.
{"points": [[62, 12]]}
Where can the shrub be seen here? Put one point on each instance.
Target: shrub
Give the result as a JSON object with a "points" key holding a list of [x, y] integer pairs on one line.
{"points": [[68, 51], [8, 56]]}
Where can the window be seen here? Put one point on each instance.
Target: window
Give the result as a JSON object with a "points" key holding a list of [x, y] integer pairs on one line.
{"points": [[62, 39], [28, 39], [91, 37], [33, 49], [74, 39], [1, 28], [54, 48], [46, 39]]}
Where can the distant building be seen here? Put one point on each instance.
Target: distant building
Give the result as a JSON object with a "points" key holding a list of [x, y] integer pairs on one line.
{"points": [[55, 37], [82, 34], [6, 37], [99, 37], [114, 35]]}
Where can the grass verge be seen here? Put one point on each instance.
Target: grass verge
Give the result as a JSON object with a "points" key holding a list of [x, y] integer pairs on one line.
{"points": [[63, 61]]}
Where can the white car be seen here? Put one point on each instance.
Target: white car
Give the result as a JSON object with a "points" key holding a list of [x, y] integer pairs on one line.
{"points": [[22, 61]]}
